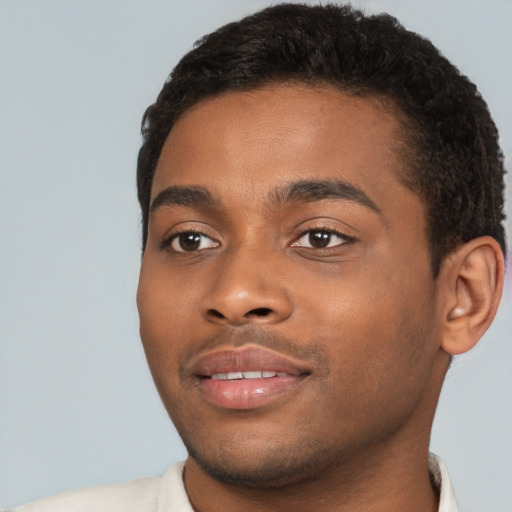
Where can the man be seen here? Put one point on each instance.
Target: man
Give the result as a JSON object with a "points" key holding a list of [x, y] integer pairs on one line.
{"points": [[322, 200]]}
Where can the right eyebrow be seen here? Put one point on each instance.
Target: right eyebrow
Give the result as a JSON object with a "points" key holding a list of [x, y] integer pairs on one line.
{"points": [[184, 196]]}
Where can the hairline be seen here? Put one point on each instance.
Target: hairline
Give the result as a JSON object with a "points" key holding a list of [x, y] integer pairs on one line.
{"points": [[406, 147]]}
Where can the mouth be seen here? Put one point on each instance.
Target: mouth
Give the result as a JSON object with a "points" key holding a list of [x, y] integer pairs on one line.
{"points": [[252, 374], [247, 377]]}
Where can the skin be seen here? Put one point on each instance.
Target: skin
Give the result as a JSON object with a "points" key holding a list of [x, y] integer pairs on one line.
{"points": [[354, 434]]}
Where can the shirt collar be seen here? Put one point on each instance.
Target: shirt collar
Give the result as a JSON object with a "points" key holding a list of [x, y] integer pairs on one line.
{"points": [[441, 480]]}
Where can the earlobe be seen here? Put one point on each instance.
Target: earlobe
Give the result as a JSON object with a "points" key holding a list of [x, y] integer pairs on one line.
{"points": [[473, 279]]}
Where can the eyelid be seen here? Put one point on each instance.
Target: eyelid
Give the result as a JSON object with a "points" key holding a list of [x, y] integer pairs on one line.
{"points": [[187, 228], [342, 236], [325, 223]]}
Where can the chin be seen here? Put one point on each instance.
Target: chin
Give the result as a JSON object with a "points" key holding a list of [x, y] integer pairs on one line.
{"points": [[268, 467]]}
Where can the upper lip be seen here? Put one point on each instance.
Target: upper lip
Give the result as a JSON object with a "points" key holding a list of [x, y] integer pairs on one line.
{"points": [[246, 358]]}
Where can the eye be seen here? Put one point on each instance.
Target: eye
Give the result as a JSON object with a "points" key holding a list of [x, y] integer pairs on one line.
{"points": [[191, 241], [321, 239]]}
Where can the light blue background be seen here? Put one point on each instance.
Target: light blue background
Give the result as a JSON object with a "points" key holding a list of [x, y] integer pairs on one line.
{"points": [[77, 404]]}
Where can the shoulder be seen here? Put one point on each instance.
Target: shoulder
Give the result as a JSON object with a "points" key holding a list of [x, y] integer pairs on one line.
{"points": [[135, 496]]}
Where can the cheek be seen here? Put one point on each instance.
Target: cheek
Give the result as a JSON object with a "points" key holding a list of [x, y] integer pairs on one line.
{"points": [[159, 306], [163, 297], [376, 327]]}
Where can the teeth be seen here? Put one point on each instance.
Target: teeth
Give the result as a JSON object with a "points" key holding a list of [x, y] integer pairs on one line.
{"points": [[252, 375], [265, 374]]}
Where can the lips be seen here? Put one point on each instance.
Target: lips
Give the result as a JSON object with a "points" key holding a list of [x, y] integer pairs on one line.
{"points": [[247, 377]]}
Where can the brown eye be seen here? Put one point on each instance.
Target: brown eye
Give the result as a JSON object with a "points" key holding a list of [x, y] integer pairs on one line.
{"points": [[320, 239], [191, 241]]}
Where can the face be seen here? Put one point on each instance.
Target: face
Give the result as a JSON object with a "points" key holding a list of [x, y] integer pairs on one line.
{"points": [[286, 300]]}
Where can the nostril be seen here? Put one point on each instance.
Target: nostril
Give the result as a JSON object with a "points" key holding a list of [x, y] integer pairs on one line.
{"points": [[215, 313], [259, 312]]}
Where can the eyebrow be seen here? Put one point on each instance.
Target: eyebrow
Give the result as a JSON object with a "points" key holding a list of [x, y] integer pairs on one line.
{"points": [[304, 191], [309, 191], [195, 196]]}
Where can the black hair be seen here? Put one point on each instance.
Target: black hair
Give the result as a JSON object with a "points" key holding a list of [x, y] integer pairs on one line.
{"points": [[452, 154]]}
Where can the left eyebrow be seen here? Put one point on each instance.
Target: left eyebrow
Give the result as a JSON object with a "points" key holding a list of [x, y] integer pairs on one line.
{"points": [[308, 191]]}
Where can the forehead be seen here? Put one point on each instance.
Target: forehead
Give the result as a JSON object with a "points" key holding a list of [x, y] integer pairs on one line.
{"points": [[245, 142]]}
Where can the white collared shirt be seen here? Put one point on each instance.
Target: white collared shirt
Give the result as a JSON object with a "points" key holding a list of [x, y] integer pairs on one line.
{"points": [[167, 494], [441, 480]]}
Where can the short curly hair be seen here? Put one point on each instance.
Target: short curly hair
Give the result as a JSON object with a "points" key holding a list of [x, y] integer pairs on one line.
{"points": [[451, 152]]}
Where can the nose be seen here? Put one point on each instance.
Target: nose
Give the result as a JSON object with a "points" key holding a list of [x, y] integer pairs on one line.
{"points": [[246, 289]]}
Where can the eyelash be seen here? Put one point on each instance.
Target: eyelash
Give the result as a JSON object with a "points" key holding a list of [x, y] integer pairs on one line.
{"points": [[167, 243], [345, 239]]}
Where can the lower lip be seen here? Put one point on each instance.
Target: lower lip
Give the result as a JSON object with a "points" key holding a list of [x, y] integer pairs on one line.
{"points": [[247, 393]]}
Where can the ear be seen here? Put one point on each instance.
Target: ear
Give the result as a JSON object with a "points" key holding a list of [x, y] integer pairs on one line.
{"points": [[472, 283]]}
